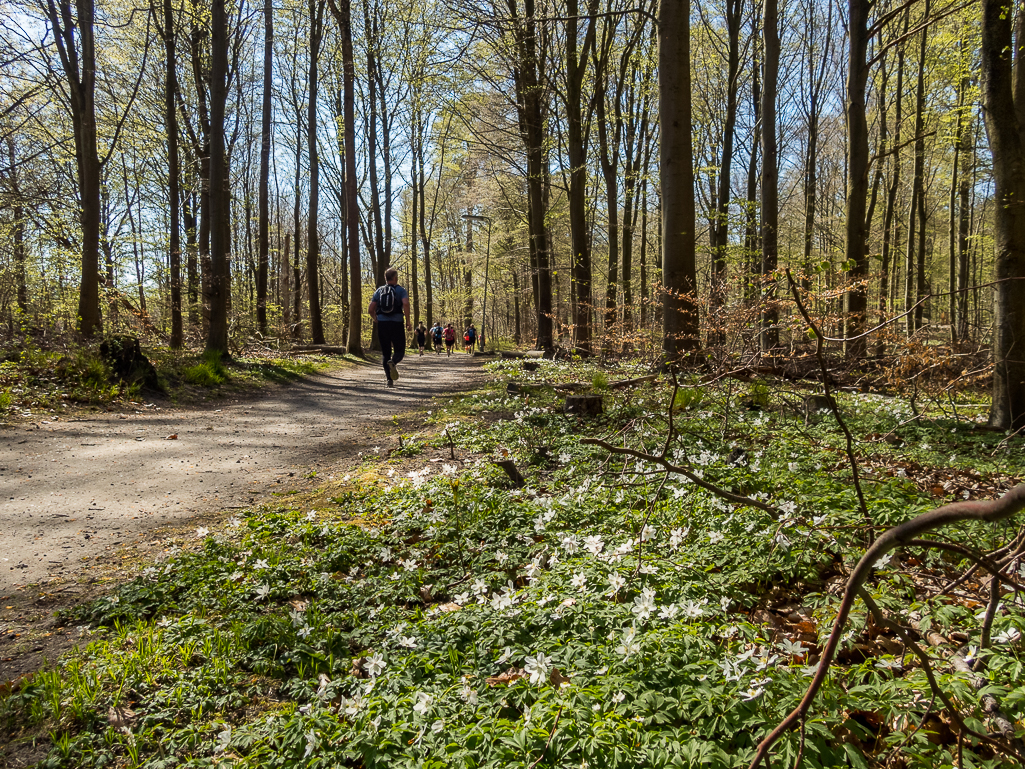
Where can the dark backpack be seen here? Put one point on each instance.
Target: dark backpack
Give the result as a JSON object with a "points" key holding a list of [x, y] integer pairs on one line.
{"points": [[437, 333], [386, 299]]}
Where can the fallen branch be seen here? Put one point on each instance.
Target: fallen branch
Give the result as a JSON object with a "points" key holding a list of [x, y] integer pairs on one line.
{"points": [[620, 384], [990, 511], [325, 348], [738, 498]]}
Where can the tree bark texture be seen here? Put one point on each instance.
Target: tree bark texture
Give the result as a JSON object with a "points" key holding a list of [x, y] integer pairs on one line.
{"points": [[676, 163], [313, 222], [220, 194], [1003, 126], [770, 175], [78, 60], [857, 176], [263, 228]]}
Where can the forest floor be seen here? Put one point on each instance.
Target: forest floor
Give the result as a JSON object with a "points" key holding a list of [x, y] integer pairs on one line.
{"points": [[85, 498]]}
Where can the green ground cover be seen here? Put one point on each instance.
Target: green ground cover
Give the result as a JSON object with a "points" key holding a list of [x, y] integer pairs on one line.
{"points": [[607, 613], [60, 377]]}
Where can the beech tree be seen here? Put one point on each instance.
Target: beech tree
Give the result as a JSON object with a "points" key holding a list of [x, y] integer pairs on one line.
{"points": [[679, 301], [1003, 105], [78, 60]]}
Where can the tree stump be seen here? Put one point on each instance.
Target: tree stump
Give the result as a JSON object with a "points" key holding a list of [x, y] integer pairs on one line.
{"points": [[127, 362], [589, 405], [817, 405], [514, 474]]}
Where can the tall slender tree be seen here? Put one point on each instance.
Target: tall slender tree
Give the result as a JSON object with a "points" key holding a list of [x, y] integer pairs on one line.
{"points": [[679, 301], [220, 193], [770, 174], [1002, 109], [75, 38], [263, 227], [313, 222]]}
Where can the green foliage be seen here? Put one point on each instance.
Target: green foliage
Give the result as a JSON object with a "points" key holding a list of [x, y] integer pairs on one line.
{"points": [[209, 373], [688, 398], [600, 381], [34, 377], [758, 395], [421, 623]]}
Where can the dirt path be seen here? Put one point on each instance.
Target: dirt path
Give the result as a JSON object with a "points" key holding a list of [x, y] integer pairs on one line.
{"points": [[73, 490]]}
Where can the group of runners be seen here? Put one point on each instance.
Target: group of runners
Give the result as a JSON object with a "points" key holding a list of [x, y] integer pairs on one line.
{"points": [[389, 307], [439, 335]]}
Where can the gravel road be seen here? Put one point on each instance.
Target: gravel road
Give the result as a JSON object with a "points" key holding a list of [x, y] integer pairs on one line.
{"points": [[72, 489]]}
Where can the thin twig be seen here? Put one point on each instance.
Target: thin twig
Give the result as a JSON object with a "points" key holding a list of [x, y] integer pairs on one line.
{"points": [[550, 736], [740, 499], [832, 404]]}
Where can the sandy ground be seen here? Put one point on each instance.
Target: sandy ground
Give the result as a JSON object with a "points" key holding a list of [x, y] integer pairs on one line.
{"points": [[75, 490]]}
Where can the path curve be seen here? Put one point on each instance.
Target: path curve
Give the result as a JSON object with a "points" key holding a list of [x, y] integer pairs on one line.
{"points": [[73, 489]]}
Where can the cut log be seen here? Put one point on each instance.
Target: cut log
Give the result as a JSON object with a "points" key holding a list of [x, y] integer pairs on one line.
{"points": [[588, 405], [534, 354], [632, 382], [324, 348]]}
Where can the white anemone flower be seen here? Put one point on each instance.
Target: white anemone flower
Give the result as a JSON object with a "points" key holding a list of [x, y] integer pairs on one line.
{"points": [[537, 668]]}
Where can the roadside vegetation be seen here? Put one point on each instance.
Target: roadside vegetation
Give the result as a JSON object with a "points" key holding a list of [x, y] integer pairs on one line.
{"points": [[54, 376], [608, 610]]}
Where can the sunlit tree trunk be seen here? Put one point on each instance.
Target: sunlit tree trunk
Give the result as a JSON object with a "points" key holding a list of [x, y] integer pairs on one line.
{"points": [[220, 194], [679, 301], [770, 175], [342, 11], [857, 176], [313, 236], [263, 233], [78, 60], [1000, 58]]}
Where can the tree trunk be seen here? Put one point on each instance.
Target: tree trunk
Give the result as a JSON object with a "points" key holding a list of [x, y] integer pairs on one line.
{"points": [[891, 196], [857, 178], [313, 223], [414, 199], [220, 193], [174, 256], [718, 234], [263, 234], [676, 163], [78, 61], [914, 279], [342, 11], [464, 263], [1004, 128], [529, 102], [191, 256], [576, 148], [964, 223], [770, 176], [751, 245]]}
